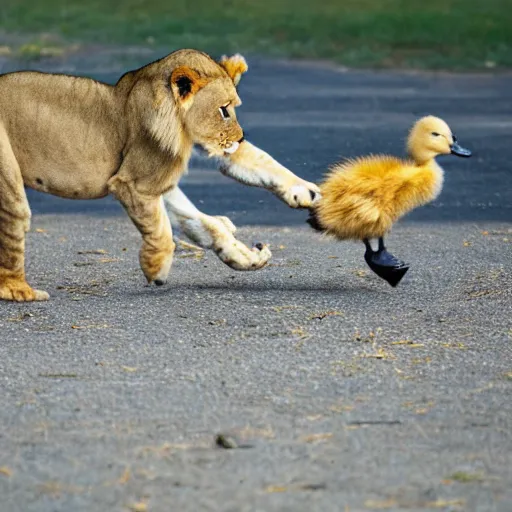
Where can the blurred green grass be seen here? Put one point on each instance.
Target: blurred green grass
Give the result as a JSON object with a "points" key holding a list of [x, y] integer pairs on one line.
{"points": [[436, 34]]}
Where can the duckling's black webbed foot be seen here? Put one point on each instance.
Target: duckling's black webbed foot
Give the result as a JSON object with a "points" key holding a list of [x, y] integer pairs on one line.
{"points": [[384, 264]]}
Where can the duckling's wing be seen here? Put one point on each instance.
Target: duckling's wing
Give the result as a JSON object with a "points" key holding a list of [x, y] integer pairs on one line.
{"points": [[372, 167], [355, 197], [371, 178], [413, 186]]}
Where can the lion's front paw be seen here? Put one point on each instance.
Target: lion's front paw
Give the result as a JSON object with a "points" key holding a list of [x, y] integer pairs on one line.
{"points": [[301, 194], [227, 223], [239, 257], [156, 261]]}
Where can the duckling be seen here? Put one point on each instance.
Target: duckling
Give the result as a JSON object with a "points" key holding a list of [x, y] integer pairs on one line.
{"points": [[362, 198]]}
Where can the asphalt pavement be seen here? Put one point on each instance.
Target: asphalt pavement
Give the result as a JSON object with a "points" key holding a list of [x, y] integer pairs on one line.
{"points": [[329, 389]]}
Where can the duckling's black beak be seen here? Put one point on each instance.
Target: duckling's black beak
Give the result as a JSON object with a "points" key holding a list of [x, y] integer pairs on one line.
{"points": [[459, 150]]}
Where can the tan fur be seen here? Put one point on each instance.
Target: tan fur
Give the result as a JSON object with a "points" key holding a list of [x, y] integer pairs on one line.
{"points": [[82, 139], [235, 67], [215, 233], [230, 250], [78, 138], [363, 198], [254, 167]]}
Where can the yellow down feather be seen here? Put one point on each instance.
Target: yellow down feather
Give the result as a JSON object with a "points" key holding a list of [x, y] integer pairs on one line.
{"points": [[363, 198]]}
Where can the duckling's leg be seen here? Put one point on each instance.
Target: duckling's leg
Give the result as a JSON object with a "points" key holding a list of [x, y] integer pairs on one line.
{"points": [[384, 264]]}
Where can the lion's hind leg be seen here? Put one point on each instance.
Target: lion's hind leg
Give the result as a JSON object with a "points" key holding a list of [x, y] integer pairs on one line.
{"points": [[14, 219]]}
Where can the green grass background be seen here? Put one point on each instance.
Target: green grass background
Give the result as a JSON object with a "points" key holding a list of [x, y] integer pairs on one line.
{"points": [[449, 34]]}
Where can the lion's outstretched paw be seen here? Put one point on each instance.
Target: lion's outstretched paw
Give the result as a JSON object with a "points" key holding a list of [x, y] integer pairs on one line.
{"points": [[239, 257], [19, 290], [301, 194]]}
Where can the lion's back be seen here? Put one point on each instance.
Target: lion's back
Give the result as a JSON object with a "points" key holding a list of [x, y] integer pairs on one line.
{"points": [[63, 130]]}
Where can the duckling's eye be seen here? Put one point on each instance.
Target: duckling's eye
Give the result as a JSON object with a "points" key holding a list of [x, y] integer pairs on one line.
{"points": [[224, 112], [454, 138], [435, 134]]}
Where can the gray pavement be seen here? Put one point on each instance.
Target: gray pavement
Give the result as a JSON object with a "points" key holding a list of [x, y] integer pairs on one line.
{"points": [[341, 392]]}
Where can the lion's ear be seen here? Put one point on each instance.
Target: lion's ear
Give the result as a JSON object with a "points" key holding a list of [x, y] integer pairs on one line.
{"points": [[185, 82], [235, 67]]}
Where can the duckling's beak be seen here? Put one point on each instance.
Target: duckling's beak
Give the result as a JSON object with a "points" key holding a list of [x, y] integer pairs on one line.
{"points": [[459, 150]]}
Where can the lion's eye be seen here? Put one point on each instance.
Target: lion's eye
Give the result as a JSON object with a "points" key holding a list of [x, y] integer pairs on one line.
{"points": [[435, 134], [224, 112]]}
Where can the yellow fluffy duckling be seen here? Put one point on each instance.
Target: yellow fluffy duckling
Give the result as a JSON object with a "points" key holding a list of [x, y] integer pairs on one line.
{"points": [[362, 198]]}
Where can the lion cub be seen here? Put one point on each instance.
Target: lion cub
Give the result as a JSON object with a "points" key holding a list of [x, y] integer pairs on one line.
{"points": [[78, 138]]}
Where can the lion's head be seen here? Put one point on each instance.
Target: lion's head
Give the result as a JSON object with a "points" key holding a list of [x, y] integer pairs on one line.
{"points": [[194, 101], [207, 105]]}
